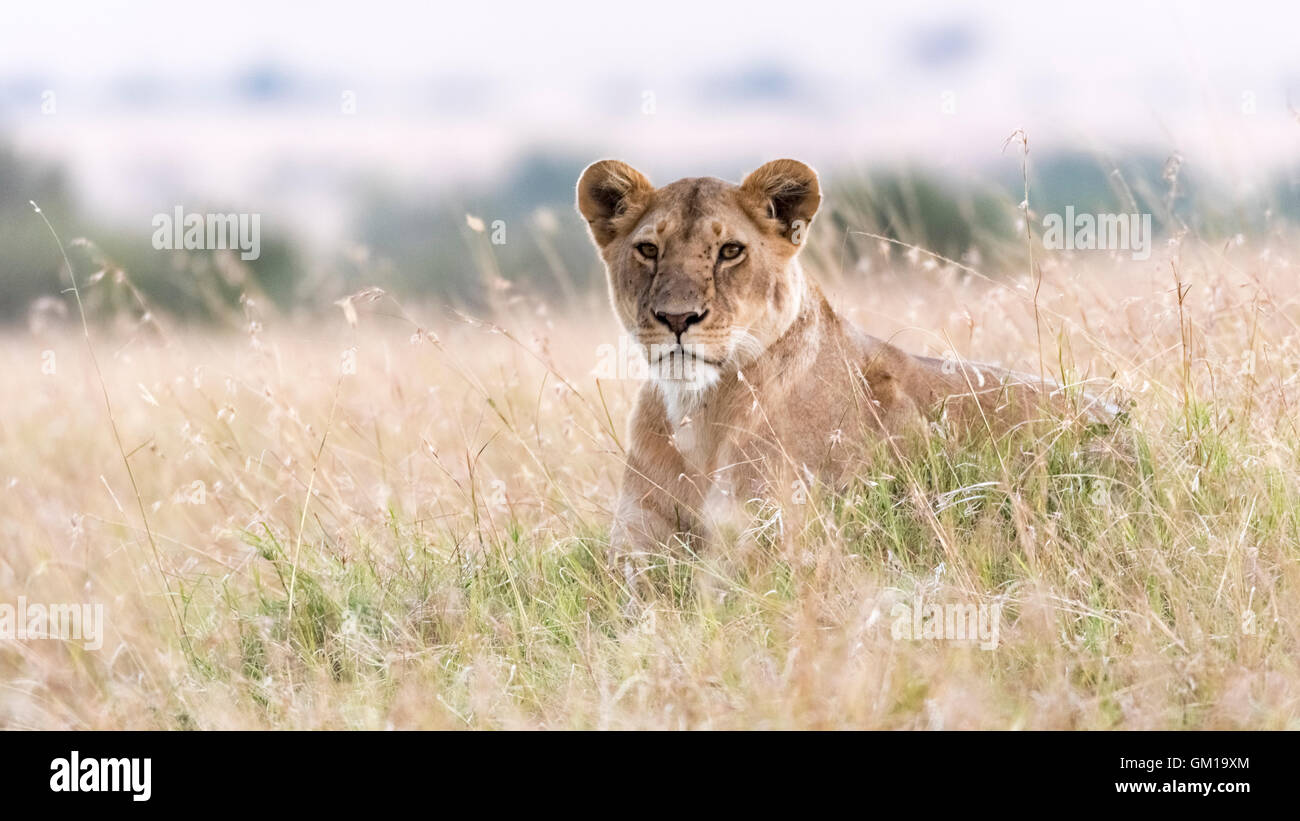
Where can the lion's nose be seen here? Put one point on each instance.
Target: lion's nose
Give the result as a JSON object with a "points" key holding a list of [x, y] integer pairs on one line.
{"points": [[678, 323]]}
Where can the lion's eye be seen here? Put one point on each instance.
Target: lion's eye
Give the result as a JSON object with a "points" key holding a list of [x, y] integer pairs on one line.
{"points": [[647, 250], [731, 250]]}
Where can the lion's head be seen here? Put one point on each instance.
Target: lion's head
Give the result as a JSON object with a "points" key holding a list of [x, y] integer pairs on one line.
{"points": [[702, 272]]}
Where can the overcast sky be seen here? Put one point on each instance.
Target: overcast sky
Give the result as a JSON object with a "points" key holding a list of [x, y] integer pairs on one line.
{"points": [[237, 97], [571, 38]]}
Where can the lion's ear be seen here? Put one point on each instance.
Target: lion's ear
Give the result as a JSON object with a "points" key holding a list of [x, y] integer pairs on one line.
{"points": [[607, 190], [788, 191]]}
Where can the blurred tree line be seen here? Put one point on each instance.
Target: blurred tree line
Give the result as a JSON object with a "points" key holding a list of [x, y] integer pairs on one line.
{"points": [[457, 246]]}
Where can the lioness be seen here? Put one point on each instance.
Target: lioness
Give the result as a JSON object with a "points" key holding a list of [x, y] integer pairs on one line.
{"points": [[755, 376]]}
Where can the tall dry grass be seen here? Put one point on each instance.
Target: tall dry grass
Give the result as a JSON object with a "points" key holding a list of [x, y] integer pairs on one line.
{"points": [[402, 522]]}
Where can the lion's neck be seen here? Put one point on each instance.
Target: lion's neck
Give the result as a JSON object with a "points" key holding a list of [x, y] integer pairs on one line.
{"points": [[795, 349]]}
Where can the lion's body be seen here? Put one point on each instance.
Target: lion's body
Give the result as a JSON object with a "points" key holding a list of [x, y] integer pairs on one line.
{"points": [[801, 410], [780, 387]]}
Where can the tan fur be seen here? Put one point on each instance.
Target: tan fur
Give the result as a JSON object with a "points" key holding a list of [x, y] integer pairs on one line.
{"points": [[792, 385]]}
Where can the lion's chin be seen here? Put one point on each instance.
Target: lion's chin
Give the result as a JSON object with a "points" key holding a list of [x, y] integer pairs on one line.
{"points": [[685, 382], [683, 397], [691, 367], [690, 375]]}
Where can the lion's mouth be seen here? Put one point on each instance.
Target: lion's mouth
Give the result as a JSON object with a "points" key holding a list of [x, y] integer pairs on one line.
{"points": [[686, 353]]}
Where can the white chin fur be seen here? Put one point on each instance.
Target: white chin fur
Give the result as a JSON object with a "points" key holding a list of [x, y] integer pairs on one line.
{"points": [[683, 395]]}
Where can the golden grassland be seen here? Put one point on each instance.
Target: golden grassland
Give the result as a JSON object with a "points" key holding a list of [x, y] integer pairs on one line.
{"points": [[402, 522]]}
